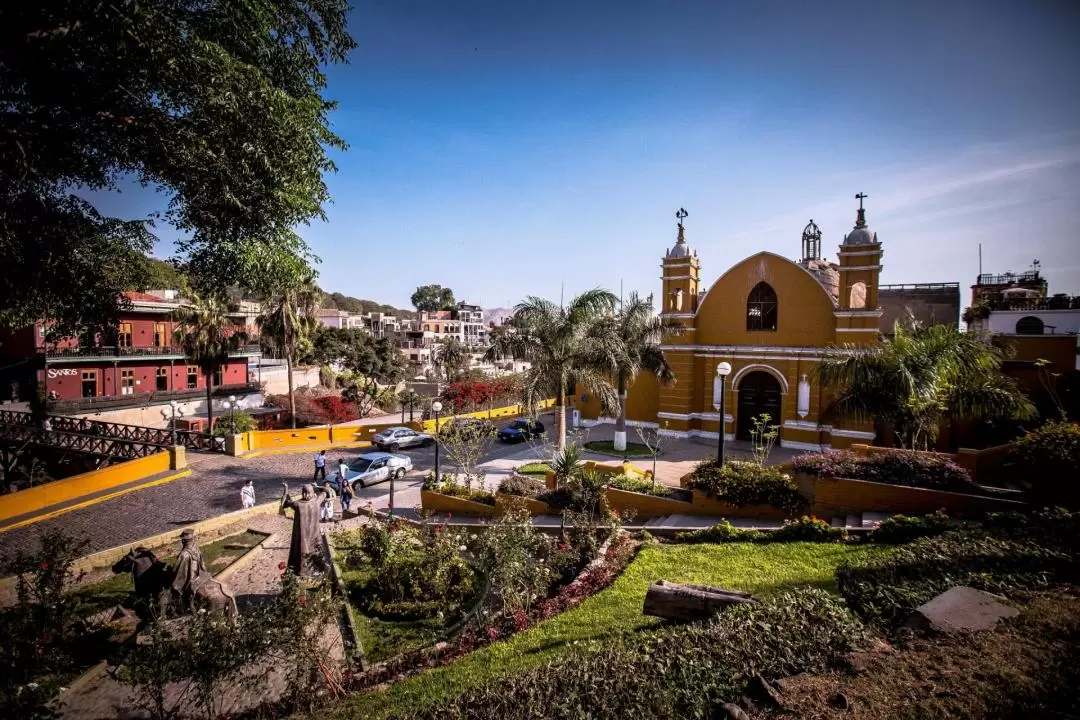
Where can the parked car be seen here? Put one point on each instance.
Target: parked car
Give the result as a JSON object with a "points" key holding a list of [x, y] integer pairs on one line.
{"points": [[371, 468], [468, 426], [398, 438], [521, 430]]}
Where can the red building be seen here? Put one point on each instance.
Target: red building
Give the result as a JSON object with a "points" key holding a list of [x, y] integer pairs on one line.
{"points": [[138, 364]]}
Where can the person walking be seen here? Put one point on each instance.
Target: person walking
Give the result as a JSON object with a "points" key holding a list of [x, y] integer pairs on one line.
{"points": [[344, 486], [247, 495], [320, 466], [327, 510]]}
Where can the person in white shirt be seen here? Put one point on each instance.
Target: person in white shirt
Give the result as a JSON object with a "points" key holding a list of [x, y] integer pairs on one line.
{"points": [[320, 465], [327, 509], [247, 495]]}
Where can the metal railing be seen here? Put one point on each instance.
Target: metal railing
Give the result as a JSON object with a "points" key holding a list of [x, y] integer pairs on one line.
{"points": [[921, 286], [103, 438], [157, 397], [1030, 276], [1058, 302]]}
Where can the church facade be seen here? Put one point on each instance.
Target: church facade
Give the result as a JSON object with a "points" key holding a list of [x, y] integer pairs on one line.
{"points": [[771, 319]]}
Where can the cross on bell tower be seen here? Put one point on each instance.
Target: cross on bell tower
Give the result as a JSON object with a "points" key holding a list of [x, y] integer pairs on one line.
{"points": [[860, 220]]}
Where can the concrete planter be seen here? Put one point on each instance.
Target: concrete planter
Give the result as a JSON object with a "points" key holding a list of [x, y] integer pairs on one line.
{"points": [[839, 496], [504, 501], [703, 504], [437, 502], [645, 506]]}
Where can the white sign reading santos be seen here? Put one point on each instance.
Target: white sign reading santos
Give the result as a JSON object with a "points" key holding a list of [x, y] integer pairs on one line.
{"points": [[58, 372]]}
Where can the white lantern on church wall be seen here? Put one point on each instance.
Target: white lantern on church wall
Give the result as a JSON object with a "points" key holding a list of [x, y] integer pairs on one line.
{"points": [[803, 402]]}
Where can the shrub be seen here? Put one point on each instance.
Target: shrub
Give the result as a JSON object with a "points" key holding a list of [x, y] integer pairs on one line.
{"points": [[902, 528], [234, 423], [448, 486], [522, 486], [895, 467], [631, 483], [1048, 459], [534, 468], [721, 532], [887, 589], [333, 409], [561, 499], [806, 529], [747, 483], [674, 671]]}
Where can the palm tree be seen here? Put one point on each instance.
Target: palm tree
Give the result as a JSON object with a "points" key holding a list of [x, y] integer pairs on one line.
{"points": [[920, 379], [285, 322], [637, 331], [451, 358], [565, 346], [207, 336]]}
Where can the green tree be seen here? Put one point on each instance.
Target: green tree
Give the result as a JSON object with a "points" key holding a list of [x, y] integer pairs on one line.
{"points": [[565, 346], [451, 358], [920, 379], [636, 332], [218, 104], [207, 336], [284, 319], [432, 297]]}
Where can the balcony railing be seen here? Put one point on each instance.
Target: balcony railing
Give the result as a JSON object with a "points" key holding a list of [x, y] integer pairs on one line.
{"points": [[109, 402], [1030, 276], [124, 353], [1058, 302]]}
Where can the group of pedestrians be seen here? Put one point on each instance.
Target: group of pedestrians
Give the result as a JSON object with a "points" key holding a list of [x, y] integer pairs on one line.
{"points": [[326, 507]]}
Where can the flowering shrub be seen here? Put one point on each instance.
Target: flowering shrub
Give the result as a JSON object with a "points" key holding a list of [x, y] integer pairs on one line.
{"points": [[901, 528], [312, 410], [747, 483], [895, 467], [471, 394], [1048, 459], [449, 486]]}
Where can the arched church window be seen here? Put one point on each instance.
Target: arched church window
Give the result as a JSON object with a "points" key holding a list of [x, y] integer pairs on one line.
{"points": [[761, 308], [678, 300], [1029, 325], [857, 296]]}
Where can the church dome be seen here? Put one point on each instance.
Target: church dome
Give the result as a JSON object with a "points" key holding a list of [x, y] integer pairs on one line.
{"points": [[861, 234]]}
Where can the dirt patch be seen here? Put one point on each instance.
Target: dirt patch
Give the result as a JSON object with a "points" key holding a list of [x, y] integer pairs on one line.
{"points": [[1026, 667]]}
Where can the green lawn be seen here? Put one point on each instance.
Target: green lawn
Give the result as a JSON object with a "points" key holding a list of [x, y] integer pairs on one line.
{"points": [[607, 447], [534, 468], [616, 612]]}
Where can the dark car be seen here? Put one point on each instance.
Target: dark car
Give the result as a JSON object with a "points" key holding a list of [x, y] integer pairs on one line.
{"points": [[521, 430], [469, 427]]}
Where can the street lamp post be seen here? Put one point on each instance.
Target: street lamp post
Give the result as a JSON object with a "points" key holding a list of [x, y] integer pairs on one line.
{"points": [[175, 407], [722, 371], [436, 407]]}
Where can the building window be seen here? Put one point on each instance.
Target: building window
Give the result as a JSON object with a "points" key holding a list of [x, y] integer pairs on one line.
{"points": [[1030, 325], [89, 383], [192, 377], [162, 379], [161, 337], [217, 376], [123, 338], [761, 308], [127, 382], [857, 296]]}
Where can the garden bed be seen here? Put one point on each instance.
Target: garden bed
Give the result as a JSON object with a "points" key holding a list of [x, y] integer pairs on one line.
{"points": [[539, 469], [607, 447], [438, 502]]}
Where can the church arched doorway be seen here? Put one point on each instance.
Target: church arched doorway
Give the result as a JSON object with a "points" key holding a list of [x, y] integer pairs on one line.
{"points": [[759, 393]]}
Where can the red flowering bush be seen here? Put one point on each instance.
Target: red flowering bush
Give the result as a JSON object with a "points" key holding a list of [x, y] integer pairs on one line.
{"points": [[471, 394]]}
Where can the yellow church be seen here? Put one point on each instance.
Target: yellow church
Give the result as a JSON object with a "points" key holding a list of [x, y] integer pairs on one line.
{"points": [[771, 319]]}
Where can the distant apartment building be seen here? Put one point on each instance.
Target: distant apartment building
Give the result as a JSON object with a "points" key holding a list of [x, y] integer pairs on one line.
{"points": [[464, 322], [334, 318], [136, 362]]}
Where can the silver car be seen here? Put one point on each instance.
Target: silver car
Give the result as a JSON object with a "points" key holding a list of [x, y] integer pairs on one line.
{"points": [[371, 468], [398, 438]]}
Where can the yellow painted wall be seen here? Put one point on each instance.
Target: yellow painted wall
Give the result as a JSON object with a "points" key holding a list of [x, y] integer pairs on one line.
{"points": [[805, 317], [61, 491]]}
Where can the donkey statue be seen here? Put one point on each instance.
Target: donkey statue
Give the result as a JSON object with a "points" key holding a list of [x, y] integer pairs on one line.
{"points": [[153, 581]]}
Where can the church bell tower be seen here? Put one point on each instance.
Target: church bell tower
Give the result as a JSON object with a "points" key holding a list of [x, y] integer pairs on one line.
{"points": [[682, 270]]}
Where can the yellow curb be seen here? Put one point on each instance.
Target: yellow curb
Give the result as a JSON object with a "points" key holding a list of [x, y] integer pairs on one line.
{"points": [[95, 501], [303, 448]]}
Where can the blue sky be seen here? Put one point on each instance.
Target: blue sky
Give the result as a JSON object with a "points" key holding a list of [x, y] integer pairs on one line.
{"points": [[504, 149]]}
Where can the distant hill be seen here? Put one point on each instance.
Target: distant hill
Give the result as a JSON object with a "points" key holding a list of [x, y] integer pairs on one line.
{"points": [[338, 301]]}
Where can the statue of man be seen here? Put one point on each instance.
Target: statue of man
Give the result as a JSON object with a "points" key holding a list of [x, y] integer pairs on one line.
{"points": [[305, 529], [190, 570]]}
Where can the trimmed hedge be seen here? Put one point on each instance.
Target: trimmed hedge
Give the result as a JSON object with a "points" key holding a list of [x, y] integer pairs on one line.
{"points": [[1049, 458], [683, 671], [639, 485], [902, 528], [747, 483], [805, 529], [894, 467], [887, 590]]}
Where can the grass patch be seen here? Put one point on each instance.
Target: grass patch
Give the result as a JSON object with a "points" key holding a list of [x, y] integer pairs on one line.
{"points": [[534, 468], [615, 613], [607, 447]]}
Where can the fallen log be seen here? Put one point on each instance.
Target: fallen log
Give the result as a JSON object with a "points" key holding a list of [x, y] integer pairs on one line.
{"points": [[677, 601]]}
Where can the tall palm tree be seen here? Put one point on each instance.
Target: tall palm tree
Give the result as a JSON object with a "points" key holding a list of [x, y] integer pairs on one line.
{"points": [[922, 378], [207, 336], [451, 357], [637, 332], [285, 320], [565, 346]]}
